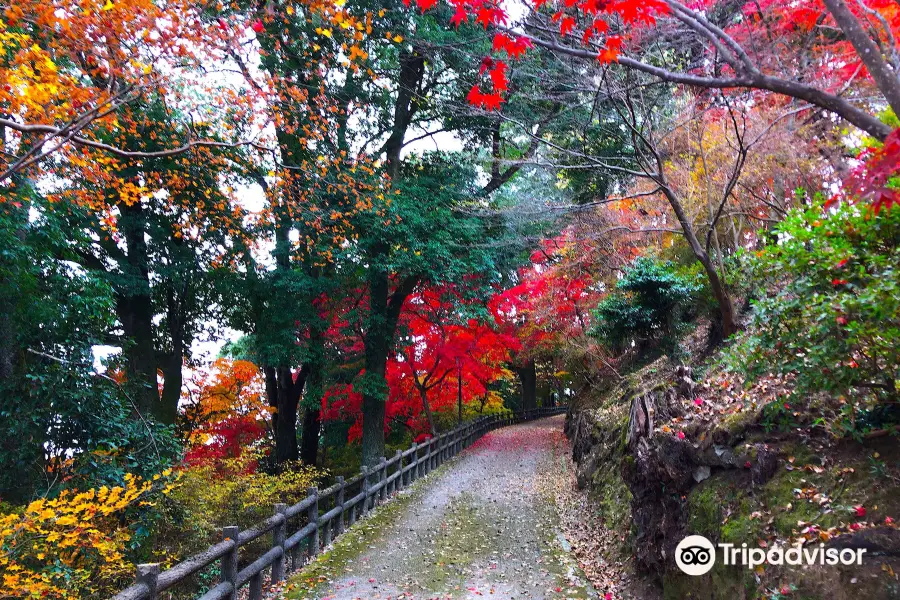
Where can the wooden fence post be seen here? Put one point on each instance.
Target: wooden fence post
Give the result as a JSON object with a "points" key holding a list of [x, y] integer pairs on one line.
{"points": [[435, 448], [398, 482], [413, 464], [340, 502], [256, 586], [365, 491], [229, 566], [382, 476], [148, 574], [278, 536], [422, 463], [312, 516]]}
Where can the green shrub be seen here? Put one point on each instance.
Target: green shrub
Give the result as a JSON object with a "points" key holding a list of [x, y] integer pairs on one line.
{"points": [[829, 309], [645, 306]]}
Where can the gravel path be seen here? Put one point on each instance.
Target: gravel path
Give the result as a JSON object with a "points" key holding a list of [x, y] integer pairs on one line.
{"points": [[478, 526]]}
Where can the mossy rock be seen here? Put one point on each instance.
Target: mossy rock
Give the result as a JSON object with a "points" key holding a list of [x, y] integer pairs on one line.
{"points": [[612, 496], [705, 505]]}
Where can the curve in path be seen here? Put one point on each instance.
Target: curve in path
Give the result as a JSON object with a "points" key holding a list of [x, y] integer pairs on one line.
{"points": [[480, 526]]}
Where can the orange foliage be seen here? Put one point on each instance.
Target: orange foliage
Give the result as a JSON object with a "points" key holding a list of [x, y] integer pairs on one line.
{"points": [[228, 389]]}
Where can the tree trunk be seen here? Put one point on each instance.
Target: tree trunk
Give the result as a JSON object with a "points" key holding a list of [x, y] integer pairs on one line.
{"points": [[375, 389], [384, 313], [885, 78], [284, 396], [528, 378], [134, 306], [423, 393], [384, 307], [726, 308], [309, 438], [459, 402], [171, 392], [312, 400]]}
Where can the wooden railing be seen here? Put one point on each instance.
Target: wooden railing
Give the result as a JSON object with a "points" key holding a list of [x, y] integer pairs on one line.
{"points": [[317, 519]]}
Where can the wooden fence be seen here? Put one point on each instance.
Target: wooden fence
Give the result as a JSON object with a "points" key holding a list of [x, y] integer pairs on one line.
{"points": [[299, 532]]}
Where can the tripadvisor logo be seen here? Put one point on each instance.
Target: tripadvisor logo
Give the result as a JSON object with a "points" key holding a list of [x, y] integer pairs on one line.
{"points": [[696, 555]]}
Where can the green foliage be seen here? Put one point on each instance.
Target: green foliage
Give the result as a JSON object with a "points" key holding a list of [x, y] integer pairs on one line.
{"points": [[830, 311], [61, 425], [646, 304]]}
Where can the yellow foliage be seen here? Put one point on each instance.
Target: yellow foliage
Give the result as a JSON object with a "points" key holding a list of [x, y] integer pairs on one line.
{"points": [[211, 497], [71, 546]]}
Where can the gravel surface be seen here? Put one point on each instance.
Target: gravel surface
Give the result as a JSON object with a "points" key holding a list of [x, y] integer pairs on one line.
{"points": [[481, 525]]}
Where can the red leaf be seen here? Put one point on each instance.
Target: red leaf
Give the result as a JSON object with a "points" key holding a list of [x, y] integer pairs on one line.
{"points": [[519, 47], [513, 48], [258, 26], [459, 17], [568, 23], [501, 42], [498, 76], [474, 96], [490, 16], [425, 4], [491, 101], [611, 52], [586, 38]]}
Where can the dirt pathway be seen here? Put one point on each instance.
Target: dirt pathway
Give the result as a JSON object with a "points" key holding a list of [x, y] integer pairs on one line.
{"points": [[478, 526]]}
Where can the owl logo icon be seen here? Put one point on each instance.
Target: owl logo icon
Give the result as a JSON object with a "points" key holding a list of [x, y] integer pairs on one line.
{"points": [[695, 555]]}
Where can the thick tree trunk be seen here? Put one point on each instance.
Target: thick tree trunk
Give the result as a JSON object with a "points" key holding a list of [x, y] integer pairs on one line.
{"points": [[286, 448], [528, 379], [135, 310], [284, 396], [309, 438], [171, 392], [312, 400], [384, 313], [373, 429], [384, 307], [375, 390]]}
